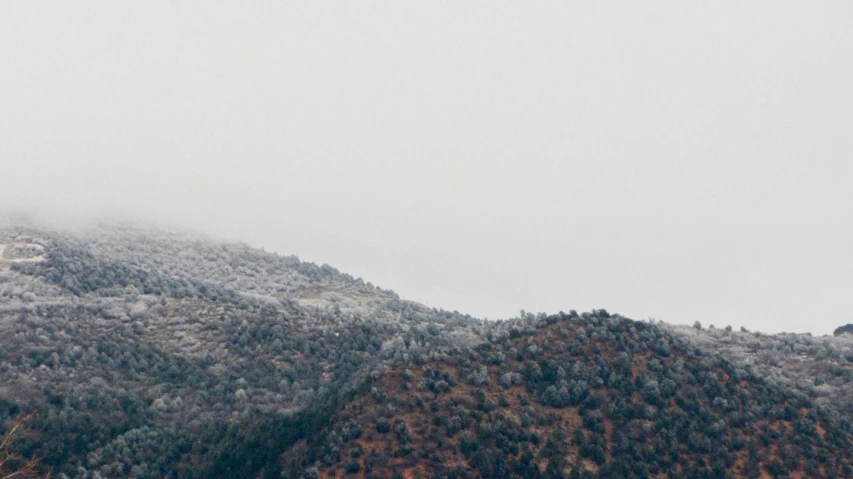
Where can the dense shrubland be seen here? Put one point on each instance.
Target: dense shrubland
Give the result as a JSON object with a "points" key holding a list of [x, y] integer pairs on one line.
{"points": [[156, 355], [143, 352], [589, 395], [820, 367]]}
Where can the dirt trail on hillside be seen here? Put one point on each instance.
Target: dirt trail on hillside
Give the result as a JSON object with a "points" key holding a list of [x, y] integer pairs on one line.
{"points": [[35, 253]]}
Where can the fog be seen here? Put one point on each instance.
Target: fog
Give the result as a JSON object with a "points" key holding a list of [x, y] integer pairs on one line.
{"points": [[658, 159]]}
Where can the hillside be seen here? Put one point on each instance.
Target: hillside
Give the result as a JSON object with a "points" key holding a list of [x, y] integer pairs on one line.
{"points": [[584, 396], [155, 354]]}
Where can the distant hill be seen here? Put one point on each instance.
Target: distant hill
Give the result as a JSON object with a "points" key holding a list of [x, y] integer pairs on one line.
{"points": [[153, 354], [847, 328]]}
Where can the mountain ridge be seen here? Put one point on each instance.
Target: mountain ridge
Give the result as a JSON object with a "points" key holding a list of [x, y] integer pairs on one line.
{"points": [[160, 354]]}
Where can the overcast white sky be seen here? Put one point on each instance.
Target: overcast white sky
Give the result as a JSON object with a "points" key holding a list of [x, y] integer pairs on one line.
{"points": [[681, 160]]}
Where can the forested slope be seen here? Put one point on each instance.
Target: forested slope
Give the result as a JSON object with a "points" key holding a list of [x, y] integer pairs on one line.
{"points": [[584, 396], [137, 352], [154, 354]]}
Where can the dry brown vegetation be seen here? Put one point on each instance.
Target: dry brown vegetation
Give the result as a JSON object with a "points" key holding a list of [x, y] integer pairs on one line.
{"points": [[13, 464], [406, 420]]}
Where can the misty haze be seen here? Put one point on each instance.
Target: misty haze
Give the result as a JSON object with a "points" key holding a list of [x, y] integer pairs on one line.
{"points": [[422, 240]]}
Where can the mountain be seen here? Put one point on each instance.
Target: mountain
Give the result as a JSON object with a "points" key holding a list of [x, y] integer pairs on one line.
{"points": [[150, 353]]}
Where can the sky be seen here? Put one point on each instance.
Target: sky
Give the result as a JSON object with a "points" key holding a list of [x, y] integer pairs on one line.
{"points": [[687, 161]]}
